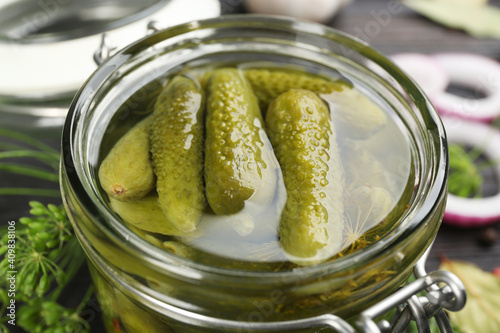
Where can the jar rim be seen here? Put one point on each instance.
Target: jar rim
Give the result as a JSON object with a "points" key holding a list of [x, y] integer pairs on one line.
{"points": [[436, 184]]}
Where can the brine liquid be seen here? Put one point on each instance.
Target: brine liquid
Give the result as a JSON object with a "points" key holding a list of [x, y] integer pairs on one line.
{"points": [[377, 178]]}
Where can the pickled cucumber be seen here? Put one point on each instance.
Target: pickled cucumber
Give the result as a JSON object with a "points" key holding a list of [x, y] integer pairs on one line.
{"points": [[228, 201], [147, 236], [145, 214], [353, 112], [234, 165], [302, 133], [363, 168], [269, 84], [135, 318], [106, 297], [177, 152], [126, 173]]}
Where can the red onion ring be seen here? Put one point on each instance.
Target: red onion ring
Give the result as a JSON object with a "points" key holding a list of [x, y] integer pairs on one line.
{"points": [[434, 72], [427, 72], [473, 212], [476, 72]]}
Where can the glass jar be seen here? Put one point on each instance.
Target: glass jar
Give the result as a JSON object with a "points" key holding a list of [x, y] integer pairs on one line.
{"points": [[35, 92], [141, 287]]}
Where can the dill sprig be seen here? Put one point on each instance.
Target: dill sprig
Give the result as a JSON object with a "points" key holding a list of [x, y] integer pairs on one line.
{"points": [[26, 147], [465, 179], [45, 254], [47, 257]]}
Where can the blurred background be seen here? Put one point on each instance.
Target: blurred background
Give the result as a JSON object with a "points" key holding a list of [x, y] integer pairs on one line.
{"points": [[34, 94]]}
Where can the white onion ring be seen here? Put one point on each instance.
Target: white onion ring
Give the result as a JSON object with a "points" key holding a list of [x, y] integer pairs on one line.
{"points": [[476, 72], [473, 212], [427, 72]]}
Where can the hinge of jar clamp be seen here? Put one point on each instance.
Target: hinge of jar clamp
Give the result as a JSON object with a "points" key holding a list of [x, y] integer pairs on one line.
{"points": [[104, 51], [107, 47], [444, 290]]}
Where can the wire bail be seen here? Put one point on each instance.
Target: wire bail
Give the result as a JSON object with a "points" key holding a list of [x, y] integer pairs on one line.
{"points": [[104, 51], [442, 289]]}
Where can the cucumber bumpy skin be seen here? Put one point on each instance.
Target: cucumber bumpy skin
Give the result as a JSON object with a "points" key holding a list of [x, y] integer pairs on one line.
{"points": [[354, 113], [234, 165], [269, 84], [126, 173], [177, 152], [302, 133]]}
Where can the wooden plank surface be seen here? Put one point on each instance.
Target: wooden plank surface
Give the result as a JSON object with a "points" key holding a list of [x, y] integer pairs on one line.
{"points": [[407, 31]]}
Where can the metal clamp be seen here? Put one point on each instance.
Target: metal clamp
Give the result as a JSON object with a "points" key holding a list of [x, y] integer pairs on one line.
{"points": [[411, 307], [154, 26], [104, 51], [107, 47]]}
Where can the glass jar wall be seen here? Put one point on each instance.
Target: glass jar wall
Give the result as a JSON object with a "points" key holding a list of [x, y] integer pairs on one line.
{"points": [[140, 285]]}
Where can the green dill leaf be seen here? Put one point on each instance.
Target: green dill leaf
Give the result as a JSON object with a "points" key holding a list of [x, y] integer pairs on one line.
{"points": [[49, 316], [11, 146], [52, 243], [43, 236], [29, 191], [36, 204], [48, 254], [29, 171], [25, 220], [465, 179], [36, 226], [48, 159], [29, 283], [28, 140], [39, 152], [44, 272], [53, 208], [43, 285]]}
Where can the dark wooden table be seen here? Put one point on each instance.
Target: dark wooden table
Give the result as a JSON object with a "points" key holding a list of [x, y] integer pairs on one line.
{"points": [[402, 32]]}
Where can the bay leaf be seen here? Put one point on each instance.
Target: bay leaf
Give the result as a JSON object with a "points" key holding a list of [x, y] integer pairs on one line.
{"points": [[481, 313], [474, 2], [479, 20]]}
